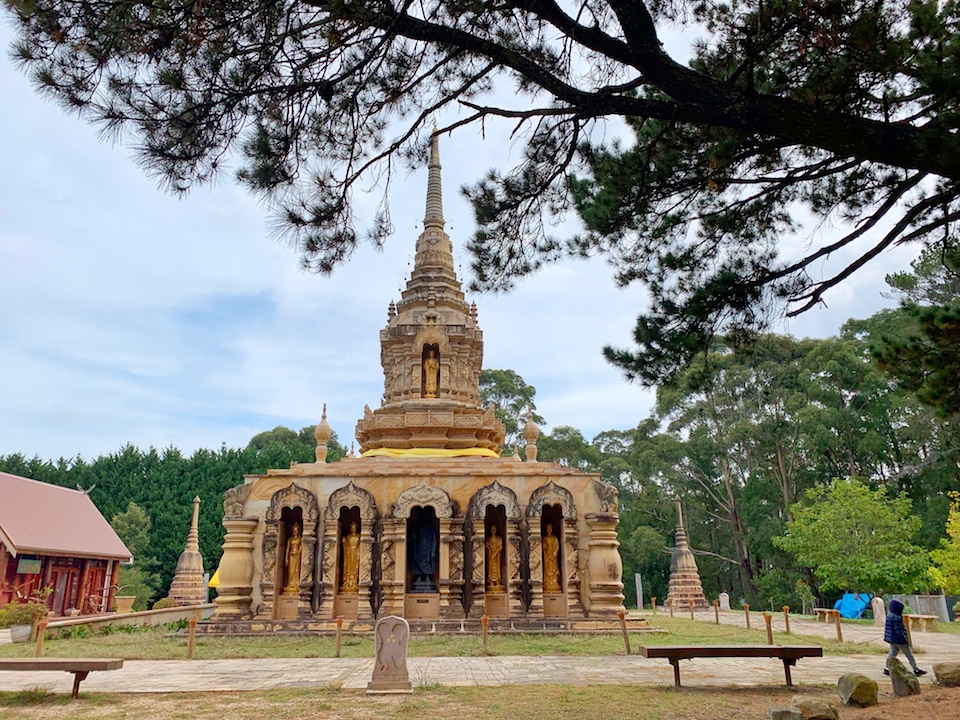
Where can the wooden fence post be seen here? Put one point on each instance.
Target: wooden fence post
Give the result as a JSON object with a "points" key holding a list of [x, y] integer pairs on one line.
{"points": [[339, 638], [746, 614], [768, 619], [623, 627], [786, 617], [41, 634], [716, 611]]}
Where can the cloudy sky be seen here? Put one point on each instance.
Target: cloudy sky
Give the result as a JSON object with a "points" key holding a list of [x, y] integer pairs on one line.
{"points": [[129, 315]]}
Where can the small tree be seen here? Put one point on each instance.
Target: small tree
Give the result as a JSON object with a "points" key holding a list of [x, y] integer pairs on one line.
{"points": [[946, 559], [140, 578], [857, 538]]}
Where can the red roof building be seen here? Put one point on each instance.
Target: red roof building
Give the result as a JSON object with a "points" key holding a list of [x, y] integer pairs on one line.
{"points": [[53, 537]]}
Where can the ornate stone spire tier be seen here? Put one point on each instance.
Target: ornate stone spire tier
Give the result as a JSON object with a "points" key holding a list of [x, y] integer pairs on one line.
{"points": [[188, 587], [685, 582], [431, 351]]}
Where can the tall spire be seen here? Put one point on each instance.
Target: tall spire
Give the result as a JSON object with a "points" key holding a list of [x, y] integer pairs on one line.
{"points": [[188, 587], [433, 217]]}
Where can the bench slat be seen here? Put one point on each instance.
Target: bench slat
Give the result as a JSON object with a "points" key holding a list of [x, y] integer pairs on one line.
{"points": [[687, 652], [63, 664]]}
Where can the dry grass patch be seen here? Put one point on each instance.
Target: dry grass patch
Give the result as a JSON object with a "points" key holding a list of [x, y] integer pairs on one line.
{"points": [[536, 702]]}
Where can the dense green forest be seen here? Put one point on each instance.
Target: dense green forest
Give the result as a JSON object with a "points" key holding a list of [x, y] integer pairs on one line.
{"points": [[799, 462]]}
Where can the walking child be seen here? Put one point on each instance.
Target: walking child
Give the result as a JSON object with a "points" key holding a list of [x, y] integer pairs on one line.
{"points": [[895, 633]]}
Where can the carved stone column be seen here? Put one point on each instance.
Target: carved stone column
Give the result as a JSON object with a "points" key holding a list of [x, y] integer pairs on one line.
{"points": [[364, 610], [236, 569], [604, 566], [514, 580], [477, 578], [536, 569], [451, 567], [268, 583], [307, 556], [571, 561], [328, 570], [393, 565]]}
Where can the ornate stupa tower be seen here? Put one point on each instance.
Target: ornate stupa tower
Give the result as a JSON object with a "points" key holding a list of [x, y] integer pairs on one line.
{"points": [[685, 583], [188, 587], [431, 351]]}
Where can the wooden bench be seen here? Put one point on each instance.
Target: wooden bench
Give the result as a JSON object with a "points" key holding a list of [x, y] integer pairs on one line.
{"points": [[923, 622], [824, 614], [80, 667], [789, 654]]}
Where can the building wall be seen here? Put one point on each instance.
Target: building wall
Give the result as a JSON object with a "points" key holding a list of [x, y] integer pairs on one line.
{"points": [[592, 579]]}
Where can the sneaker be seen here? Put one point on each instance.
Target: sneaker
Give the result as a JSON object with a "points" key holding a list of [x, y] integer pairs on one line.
{"points": [[918, 672], [886, 671]]}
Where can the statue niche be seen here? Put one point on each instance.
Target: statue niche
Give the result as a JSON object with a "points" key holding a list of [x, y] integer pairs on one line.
{"points": [[424, 550], [430, 371], [350, 560], [551, 560], [292, 557], [494, 557]]}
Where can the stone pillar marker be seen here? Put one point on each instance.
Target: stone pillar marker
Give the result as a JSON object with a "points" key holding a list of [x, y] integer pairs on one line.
{"points": [[725, 601], [879, 611], [390, 675]]}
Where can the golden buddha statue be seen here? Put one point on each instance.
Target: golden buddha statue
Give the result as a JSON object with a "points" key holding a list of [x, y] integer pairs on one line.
{"points": [[494, 546], [350, 580], [292, 561], [431, 374], [551, 561]]}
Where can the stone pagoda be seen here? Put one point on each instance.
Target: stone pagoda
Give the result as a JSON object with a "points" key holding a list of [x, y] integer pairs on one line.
{"points": [[429, 522], [685, 586], [188, 586], [431, 351]]}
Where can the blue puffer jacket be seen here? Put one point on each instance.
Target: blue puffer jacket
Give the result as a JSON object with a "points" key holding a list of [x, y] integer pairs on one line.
{"points": [[894, 631]]}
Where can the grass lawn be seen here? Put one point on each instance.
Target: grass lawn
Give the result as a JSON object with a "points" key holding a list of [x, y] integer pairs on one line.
{"points": [[160, 644], [539, 702], [530, 702]]}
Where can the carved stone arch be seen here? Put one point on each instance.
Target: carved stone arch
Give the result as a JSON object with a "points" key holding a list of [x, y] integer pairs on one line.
{"points": [[351, 496], [552, 494], [290, 497], [493, 494], [432, 336], [423, 495]]}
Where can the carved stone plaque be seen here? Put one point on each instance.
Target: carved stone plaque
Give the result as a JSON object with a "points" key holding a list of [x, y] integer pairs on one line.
{"points": [[390, 674]]}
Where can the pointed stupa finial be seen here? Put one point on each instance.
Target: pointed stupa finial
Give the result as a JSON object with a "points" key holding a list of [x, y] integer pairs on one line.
{"points": [[322, 433], [680, 539], [433, 217]]}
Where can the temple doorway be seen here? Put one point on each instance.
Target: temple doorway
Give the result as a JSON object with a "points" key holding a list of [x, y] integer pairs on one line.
{"points": [[423, 564]]}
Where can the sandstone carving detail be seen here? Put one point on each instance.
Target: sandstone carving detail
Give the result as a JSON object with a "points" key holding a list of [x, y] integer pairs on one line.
{"points": [[552, 494], [234, 499], [608, 496], [351, 496], [294, 496], [423, 495], [493, 494]]}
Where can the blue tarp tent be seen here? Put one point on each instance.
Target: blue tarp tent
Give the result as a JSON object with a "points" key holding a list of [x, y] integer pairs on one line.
{"points": [[852, 605]]}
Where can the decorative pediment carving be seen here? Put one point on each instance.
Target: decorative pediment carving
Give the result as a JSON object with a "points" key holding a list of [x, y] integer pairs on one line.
{"points": [[551, 494], [351, 496], [493, 494], [423, 495], [290, 497], [608, 496]]}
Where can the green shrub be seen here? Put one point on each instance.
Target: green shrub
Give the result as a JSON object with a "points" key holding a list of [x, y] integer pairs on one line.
{"points": [[20, 613], [162, 603]]}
